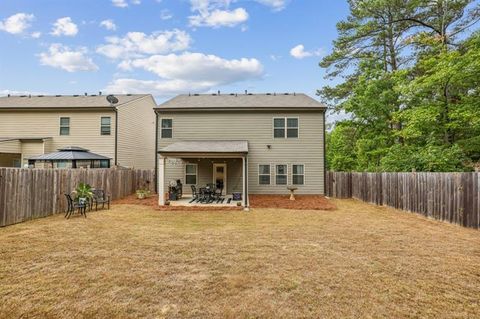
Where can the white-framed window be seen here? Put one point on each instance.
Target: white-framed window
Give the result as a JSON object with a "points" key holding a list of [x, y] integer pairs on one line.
{"points": [[285, 127], [167, 128], [64, 126], [298, 174], [281, 175], [105, 125], [264, 174], [191, 171]]}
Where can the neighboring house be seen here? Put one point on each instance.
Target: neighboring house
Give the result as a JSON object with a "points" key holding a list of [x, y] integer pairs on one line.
{"points": [[249, 143], [31, 126]]}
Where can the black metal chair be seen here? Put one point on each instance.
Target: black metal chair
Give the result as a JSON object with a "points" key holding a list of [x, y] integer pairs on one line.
{"points": [[72, 205], [194, 193], [99, 197]]}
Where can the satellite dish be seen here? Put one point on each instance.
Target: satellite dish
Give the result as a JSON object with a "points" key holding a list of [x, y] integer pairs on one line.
{"points": [[112, 99]]}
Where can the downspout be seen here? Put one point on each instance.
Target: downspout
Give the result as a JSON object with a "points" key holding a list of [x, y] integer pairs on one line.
{"points": [[116, 135], [324, 158], [155, 174]]}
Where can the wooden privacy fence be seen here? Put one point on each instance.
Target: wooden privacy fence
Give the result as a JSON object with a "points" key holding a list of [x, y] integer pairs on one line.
{"points": [[32, 193], [451, 197]]}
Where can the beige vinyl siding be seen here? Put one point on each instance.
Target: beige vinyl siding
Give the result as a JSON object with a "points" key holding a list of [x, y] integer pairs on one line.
{"points": [[31, 148], [84, 130], [136, 134], [257, 129], [10, 146], [175, 169]]}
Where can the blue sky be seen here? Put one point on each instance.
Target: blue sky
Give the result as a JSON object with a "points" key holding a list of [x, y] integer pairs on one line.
{"points": [[165, 47]]}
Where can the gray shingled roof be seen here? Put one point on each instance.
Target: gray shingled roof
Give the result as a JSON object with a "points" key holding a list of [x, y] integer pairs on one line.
{"points": [[69, 153], [53, 101], [206, 147], [205, 101]]}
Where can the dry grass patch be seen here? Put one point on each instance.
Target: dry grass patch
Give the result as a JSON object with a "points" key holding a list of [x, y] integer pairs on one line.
{"points": [[134, 261]]}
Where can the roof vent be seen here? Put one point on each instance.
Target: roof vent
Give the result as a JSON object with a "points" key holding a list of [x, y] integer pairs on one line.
{"points": [[246, 92], [86, 94], [29, 95], [8, 95], [218, 92], [99, 92]]}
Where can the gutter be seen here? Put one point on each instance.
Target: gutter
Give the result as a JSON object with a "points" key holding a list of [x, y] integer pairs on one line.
{"points": [[236, 109]]}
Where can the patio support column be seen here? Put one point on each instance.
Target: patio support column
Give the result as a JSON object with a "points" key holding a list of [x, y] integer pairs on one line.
{"points": [[161, 180], [245, 182]]}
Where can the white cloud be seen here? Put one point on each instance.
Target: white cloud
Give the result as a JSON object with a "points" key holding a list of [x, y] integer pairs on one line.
{"points": [[36, 35], [298, 52], [108, 24], [216, 13], [165, 14], [120, 3], [137, 44], [62, 57], [277, 5], [187, 72], [219, 18], [17, 23], [124, 3], [64, 26]]}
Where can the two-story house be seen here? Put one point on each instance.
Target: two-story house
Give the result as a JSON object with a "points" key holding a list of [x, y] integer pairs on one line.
{"points": [[121, 133], [248, 143]]}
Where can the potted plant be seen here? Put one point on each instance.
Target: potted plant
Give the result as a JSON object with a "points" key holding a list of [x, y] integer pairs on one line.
{"points": [[142, 193], [83, 192]]}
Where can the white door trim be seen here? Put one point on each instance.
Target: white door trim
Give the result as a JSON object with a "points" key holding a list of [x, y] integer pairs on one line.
{"points": [[215, 165]]}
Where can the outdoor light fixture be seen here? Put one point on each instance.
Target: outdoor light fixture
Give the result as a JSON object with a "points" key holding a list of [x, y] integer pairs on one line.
{"points": [[269, 146]]}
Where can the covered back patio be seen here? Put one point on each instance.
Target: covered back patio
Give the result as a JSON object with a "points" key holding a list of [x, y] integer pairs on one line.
{"points": [[203, 173]]}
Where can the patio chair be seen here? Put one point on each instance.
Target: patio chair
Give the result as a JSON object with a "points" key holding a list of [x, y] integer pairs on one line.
{"points": [[194, 193], [99, 197], [72, 205], [217, 195]]}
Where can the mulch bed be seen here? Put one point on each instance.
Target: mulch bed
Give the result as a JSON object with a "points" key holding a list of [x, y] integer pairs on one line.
{"points": [[302, 202]]}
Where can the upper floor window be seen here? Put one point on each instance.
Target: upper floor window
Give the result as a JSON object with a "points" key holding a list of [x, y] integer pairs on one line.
{"points": [[264, 174], [167, 128], [281, 175], [298, 174], [64, 126], [285, 127], [106, 124]]}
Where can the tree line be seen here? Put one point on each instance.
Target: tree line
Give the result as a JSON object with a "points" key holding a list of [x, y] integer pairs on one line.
{"points": [[407, 74]]}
